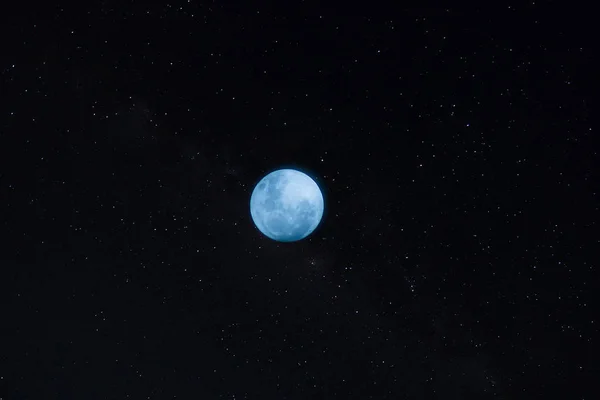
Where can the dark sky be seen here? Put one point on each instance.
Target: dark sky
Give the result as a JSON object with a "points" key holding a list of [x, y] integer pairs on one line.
{"points": [[457, 158]]}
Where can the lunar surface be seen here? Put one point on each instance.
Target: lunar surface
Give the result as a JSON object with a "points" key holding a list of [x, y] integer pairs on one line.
{"points": [[286, 205]]}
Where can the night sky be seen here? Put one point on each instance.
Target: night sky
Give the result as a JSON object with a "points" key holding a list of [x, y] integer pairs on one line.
{"points": [[454, 149]]}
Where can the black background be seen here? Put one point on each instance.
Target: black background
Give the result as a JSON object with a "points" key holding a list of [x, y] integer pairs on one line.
{"points": [[456, 154]]}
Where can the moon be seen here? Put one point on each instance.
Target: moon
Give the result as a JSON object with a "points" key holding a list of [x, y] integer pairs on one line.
{"points": [[286, 205]]}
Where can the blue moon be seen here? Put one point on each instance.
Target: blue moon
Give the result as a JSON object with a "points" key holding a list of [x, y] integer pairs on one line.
{"points": [[287, 205]]}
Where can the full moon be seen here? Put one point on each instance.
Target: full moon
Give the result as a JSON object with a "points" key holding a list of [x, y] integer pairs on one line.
{"points": [[286, 205]]}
